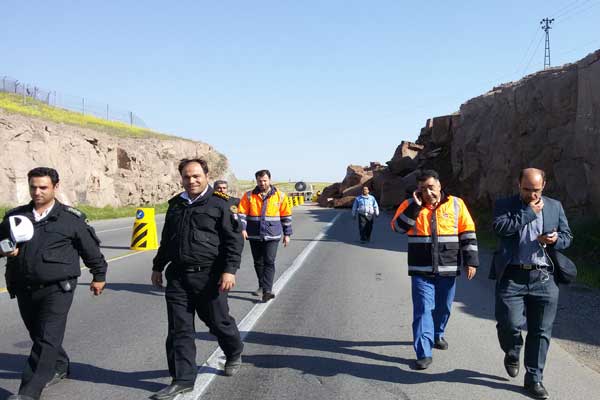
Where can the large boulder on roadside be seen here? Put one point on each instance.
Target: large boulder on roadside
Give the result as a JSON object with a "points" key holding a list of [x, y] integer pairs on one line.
{"points": [[397, 188], [355, 175], [405, 158], [328, 194], [344, 202], [356, 190]]}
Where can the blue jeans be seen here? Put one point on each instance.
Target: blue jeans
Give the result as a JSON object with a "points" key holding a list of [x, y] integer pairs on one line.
{"points": [[432, 301], [526, 297]]}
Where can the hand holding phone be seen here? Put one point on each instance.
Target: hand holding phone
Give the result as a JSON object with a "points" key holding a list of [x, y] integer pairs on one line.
{"points": [[418, 197], [548, 237]]}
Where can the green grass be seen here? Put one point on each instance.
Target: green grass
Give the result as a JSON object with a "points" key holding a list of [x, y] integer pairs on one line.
{"points": [[34, 108], [584, 251], [286, 187], [97, 213]]}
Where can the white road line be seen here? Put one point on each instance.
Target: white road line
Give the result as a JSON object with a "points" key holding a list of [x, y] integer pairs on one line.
{"points": [[207, 372], [115, 229]]}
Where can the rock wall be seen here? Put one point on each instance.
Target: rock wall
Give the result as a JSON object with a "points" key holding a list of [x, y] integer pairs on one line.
{"points": [[95, 168], [549, 120]]}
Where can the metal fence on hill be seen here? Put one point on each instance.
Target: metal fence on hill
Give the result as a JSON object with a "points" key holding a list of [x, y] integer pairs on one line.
{"points": [[85, 106]]}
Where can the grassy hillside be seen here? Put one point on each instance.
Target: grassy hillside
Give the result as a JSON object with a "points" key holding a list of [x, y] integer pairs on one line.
{"points": [[286, 187], [14, 103], [96, 213]]}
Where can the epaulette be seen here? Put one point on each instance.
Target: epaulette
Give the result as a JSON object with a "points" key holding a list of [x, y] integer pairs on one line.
{"points": [[14, 210], [221, 195], [75, 212]]}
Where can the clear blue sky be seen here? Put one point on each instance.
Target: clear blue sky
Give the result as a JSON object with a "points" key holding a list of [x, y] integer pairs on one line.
{"points": [[300, 87]]}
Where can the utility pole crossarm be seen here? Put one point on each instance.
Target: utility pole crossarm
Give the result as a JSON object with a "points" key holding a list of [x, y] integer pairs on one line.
{"points": [[545, 23]]}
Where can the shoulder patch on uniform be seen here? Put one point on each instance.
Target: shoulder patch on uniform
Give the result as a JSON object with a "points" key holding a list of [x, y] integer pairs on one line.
{"points": [[221, 195], [233, 209], [12, 210], [75, 212]]}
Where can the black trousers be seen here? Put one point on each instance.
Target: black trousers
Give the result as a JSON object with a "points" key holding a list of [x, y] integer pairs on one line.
{"points": [[44, 312], [264, 253], [365, 226], [187, 294], [526, 297]]}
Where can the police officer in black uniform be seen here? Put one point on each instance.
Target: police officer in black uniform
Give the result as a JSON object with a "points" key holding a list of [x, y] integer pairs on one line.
{"points": [[202, 244], [42, 274]]}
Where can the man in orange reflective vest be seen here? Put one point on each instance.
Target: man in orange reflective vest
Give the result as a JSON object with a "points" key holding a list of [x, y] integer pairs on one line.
{"points": [[266, 218], [441, 235]]}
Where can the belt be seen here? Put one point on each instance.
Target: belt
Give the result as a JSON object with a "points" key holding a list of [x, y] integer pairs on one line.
{"points": [[528, 267], [193, 268], [38, 286]]}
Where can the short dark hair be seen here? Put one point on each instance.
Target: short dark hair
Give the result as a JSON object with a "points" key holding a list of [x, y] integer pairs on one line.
{"points": [[426, 174], [44, 171], [262, 172], [220, 182], [184, 162]]}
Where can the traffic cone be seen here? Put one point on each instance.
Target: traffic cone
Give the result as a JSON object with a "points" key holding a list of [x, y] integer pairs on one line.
{"points": [[144, 236]]}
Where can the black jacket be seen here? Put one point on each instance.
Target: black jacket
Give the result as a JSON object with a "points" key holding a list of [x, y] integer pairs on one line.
{"points": [[53, 252], [203, 234]]}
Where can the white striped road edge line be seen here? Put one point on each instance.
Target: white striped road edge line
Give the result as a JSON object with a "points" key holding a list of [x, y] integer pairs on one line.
{"points": [[207, 372]]}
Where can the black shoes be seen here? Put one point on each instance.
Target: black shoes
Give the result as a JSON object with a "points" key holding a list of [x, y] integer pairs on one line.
{"points": [[423, 363], [258, 292], [537, 390], [172, 390], [267, 296], [20, 397], [58, 376], [441, 344], [511, 365], [232, 366]]}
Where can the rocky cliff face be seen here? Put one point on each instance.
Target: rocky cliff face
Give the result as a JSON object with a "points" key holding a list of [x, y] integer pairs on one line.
{"points": [[95, 168], [549, 120]]}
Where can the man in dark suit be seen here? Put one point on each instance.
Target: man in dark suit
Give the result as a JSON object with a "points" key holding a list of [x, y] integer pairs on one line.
{"points": [[525, 289]]}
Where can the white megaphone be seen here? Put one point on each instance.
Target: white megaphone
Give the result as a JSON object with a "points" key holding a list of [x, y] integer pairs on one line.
{"points": [[16, 229]]}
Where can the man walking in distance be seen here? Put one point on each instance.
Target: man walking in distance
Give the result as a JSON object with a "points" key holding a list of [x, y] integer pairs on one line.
{"points": [[441, 236], [202, 245], [266, 218], [525, 288], [42, 274], [223, 187], [365, 206]]}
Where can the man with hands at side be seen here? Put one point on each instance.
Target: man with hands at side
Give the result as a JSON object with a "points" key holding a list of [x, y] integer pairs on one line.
{"points": [[202, 245]]}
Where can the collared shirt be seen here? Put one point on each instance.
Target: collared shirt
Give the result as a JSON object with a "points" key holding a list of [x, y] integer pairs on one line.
{"points": [[530, 249], [44, 214], [365, 205], [186, 196]]}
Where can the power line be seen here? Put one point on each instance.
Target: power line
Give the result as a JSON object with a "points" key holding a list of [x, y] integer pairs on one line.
{"points": [[577, 11], [568, 8], [532, 55]]}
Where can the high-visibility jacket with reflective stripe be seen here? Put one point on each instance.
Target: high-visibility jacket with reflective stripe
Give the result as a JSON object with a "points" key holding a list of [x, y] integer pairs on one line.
{"points": [[440, 239], [266, 219]]}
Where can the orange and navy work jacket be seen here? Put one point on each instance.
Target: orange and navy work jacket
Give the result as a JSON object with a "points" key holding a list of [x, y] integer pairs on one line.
{"points": [[265, 219], [439, 239]]}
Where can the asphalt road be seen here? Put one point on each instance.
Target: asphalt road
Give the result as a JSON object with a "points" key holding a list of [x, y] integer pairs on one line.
{"points": [[339, 329]]}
